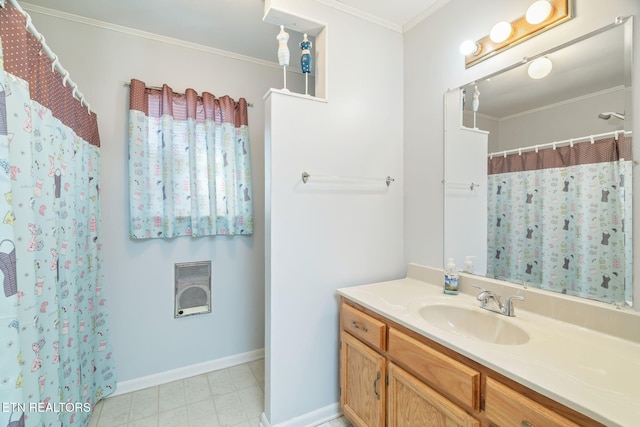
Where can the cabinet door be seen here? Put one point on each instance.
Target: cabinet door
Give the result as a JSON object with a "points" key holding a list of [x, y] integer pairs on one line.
{"points": [[414, 404], [362, 383]]}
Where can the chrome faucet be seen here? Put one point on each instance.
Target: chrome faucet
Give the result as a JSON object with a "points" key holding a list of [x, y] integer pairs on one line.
{"points": [[490, 301]]}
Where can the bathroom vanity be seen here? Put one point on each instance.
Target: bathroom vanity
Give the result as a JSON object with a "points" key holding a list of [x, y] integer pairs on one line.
{"points": [[402, 362]]}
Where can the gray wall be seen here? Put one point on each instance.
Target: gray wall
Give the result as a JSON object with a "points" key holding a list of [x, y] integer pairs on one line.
{"points": [[139, 274]]}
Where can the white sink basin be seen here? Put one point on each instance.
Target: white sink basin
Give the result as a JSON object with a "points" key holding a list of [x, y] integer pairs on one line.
{"points": [[477, 324]]}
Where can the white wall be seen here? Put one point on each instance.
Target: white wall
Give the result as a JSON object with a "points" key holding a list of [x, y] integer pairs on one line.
{"points": [[576, 118], [561, 122], [326, 235], [465, 214], [139, 274], [433, 64]]}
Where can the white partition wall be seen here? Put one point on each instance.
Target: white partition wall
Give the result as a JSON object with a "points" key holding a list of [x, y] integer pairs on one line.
{"points": [[333, 231], [465, 188]]}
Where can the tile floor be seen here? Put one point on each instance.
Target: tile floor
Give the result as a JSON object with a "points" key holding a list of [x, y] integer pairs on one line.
{"points": [[231, 397]]}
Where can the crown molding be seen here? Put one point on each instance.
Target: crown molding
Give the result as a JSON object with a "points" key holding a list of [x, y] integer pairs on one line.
{"points": [[433, 8], [565, 102], [361, 14], [383, 22], [144, 34]]}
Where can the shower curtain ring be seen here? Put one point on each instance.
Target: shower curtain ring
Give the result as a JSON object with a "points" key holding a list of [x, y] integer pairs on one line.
{"points": [[83, 102], [28, 22], [54, 62], [65, 78], [74, 92]]}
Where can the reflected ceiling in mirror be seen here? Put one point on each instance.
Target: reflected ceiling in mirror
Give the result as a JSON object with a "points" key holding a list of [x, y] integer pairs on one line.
{"points": [[590, 75]]}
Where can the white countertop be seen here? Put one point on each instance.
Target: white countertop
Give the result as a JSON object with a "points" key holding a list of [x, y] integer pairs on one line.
{"points": [[592, 372]]}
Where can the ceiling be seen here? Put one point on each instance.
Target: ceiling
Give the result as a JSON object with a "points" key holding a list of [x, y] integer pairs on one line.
{"points": [[230, 25]]}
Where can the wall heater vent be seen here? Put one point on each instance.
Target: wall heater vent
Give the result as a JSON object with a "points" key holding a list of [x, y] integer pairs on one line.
{"points": [[192, 288]]}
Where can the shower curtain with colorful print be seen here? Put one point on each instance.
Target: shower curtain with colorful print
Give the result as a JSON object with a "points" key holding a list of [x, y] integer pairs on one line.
{"points": [[560, 219], [55, 354]]}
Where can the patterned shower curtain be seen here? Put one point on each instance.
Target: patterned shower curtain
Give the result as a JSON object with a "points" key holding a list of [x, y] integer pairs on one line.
{"points": [[55, 353], [560, 219]]}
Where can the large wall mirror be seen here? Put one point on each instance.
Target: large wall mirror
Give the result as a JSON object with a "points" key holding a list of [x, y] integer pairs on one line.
{"points": [[537, 183]]}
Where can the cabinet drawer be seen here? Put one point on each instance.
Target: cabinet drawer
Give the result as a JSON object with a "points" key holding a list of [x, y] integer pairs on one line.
{"points": [[363, 326], [457, 379], [506, 407]]}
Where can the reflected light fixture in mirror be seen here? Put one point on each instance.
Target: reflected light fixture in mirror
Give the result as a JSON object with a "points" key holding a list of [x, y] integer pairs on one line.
{"points": [[540, 68], [540, 16]]}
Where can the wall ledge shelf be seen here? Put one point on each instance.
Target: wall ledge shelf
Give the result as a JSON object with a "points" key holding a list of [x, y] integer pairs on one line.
{"points": [[477, 130], [293, 94]]}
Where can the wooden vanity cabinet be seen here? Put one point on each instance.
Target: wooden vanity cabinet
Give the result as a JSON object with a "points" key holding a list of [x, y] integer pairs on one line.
{"points": [[391, 376], [375, 392]]}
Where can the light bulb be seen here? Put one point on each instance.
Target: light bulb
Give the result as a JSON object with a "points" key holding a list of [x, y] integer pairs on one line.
{"points": [[469, 47], [538, 12], [540, 68], [500, 32]]}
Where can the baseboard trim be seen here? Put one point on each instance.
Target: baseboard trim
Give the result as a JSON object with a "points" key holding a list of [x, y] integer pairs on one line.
{"points": [[186, 372], [310, 419]]}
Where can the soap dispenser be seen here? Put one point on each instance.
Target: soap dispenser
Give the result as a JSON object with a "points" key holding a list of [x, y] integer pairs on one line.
{"points": [[468, 264], [451, 278]]}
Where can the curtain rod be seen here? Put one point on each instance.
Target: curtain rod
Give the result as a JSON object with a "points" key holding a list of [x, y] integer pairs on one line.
{"points": [[556, 144], [249, 104], [55, 65]]}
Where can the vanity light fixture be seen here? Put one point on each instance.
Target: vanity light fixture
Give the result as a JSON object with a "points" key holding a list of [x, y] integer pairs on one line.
{"points": [[542, 15], [538, 12], [501, 32], [540, 68], [469, 47]]}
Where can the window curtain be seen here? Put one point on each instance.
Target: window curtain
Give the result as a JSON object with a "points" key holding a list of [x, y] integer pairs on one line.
{"points": [[55, 351], [189, 164], [562, 219]]}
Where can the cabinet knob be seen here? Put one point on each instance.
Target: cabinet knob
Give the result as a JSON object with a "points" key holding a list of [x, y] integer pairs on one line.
{"points": [[359, 325]]}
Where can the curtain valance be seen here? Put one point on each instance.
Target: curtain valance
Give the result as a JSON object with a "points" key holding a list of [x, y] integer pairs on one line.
{"points": [[22, 59], [603, 150]]}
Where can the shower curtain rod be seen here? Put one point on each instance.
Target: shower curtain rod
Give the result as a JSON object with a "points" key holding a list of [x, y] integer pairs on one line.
{"points": [[556, 144], [55, 65]]}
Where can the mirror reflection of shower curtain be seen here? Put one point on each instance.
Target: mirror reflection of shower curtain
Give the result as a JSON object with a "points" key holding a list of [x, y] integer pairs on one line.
{"points": [[561, 219]]}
